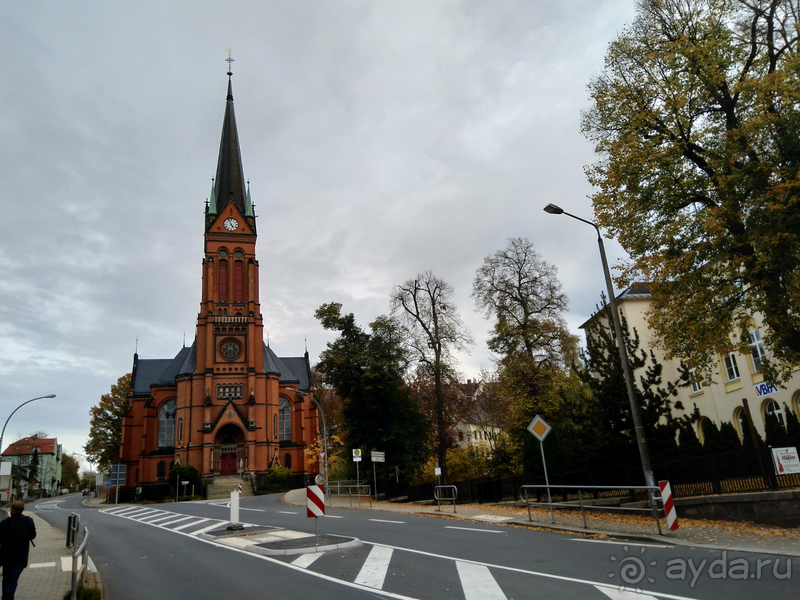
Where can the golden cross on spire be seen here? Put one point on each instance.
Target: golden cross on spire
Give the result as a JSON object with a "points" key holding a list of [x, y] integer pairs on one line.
{"points": [[229, 60]]}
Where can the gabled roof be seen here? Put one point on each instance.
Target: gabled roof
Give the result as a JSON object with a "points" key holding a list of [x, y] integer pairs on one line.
{"points": [[637, 291], [26, 445], [290, 369], [161, 371]]}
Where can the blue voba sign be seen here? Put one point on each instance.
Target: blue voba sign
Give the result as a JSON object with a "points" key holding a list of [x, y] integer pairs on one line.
{"points": [[765, 389]]}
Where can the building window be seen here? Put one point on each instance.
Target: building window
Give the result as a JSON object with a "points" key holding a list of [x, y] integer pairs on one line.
{"points": [[757, 349], [238, 284], [275, 427], [287, 461], [772, 408], [731, 368], [166, 425], [161, 470], [696, 389], [180, 431], [284, 420], [223, 281]]}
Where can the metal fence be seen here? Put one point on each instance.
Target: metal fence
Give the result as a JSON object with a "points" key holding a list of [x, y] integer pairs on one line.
{"points": [[734, 472]]}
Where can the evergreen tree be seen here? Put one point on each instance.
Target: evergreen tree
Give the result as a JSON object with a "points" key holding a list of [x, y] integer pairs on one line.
{"points": [[792, 428], [728, 438], [776, 436], [688, 444], [33, 469], [366, 371], [747, 439], [609, 413]]}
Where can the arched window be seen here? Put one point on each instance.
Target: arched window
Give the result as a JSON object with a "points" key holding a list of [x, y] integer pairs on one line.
{"points": [[161, 470], [166, 424], [238, 280], [180, 431], [275, 427], [284, 420], [287, 461], [223, 280], [772, 408], [740, 420]]}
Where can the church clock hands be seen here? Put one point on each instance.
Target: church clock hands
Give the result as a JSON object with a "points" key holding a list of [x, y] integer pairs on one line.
{"points": [[231, 224]]}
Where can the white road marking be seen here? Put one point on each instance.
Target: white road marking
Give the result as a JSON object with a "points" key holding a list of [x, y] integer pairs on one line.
{"points": [[306, 560], [287, 512], [210, 527], [478, 583], [189, 524], [618, 594], [41, 565], [332, 517], [373, 571], [385, 521], [622, 543], [474, 529], [167, 516], [175, 521]]}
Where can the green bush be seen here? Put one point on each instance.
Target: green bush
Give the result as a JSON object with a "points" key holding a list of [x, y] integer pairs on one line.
{"points": [[278, 475], [84, 593]]}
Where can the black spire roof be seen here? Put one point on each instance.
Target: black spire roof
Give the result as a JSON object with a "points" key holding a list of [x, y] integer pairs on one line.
{"points": [[229, 182]]}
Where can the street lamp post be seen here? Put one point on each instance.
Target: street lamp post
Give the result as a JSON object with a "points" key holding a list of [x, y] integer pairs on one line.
{"points": [[324, 434], [15, 410], [636, 416]]}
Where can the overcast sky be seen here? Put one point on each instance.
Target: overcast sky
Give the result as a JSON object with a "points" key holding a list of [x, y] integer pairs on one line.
{"points": [[381, 139]]}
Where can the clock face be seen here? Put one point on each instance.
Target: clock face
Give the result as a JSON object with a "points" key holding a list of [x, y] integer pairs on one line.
{"points": [[231, 224]]}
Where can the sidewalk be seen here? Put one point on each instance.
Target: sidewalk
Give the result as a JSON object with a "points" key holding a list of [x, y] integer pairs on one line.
{"points": [[717, 535], [49, 572]]}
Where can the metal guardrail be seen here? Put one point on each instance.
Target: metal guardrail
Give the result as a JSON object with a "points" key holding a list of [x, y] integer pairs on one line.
{"points": [[440, 493], [350, 489], [655, 498], [82, 555]]}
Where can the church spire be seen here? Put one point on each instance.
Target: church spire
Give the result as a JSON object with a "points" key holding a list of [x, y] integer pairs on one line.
{"points": [[229, 182]]}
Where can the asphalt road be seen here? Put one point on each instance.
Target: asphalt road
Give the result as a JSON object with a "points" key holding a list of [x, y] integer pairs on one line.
{"points": [[153, 552]]}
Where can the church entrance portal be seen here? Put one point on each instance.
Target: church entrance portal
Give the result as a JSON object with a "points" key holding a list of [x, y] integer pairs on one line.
{"points": [[230, 452], [227, 460]]}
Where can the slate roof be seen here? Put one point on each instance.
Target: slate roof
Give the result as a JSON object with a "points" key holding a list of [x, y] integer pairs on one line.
{"points": [[165, 371], [229, 182]]}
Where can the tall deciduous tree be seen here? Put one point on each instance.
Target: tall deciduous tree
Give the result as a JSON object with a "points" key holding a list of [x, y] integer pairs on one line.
{"points": [[366, 370], [105, 425], [425, 305], [696, 118], [69, 471]]}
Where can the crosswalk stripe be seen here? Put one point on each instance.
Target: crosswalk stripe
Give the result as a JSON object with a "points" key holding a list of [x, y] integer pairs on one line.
{"points": [[373, 572], [175, 521], [189, 525], [478, 583], [214, 525], [618, 594], [306, 560], [161, 518]]}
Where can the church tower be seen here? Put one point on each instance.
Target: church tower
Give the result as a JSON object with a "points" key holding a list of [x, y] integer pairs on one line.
{"points": [[227, 405]]}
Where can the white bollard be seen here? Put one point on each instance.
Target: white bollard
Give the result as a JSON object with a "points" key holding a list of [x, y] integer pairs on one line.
{"points": [[235, 507]]}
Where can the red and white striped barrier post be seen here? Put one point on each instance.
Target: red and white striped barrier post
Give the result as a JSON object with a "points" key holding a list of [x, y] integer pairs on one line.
{"points": [[669, 506], [315, 505], [240, 489]]}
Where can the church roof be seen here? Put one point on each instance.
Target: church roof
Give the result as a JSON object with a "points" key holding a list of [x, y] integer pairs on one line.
{"points": [[164, 371], [229, 184]]}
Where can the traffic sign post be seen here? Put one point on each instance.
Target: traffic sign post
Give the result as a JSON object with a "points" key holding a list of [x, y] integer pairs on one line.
{"points": [[117, 479], [315, 506], [376, 458], [357, 459], [540, 429]]}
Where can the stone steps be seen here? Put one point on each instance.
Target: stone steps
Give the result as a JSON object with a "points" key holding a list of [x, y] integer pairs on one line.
{"points": [[223, 486]]}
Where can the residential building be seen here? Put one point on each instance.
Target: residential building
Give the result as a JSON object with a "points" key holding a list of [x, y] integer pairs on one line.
{"points": [[22, 452], [737, 376]]}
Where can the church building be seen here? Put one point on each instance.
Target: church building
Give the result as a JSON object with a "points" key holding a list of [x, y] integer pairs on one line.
{"points": [[228, 405]]}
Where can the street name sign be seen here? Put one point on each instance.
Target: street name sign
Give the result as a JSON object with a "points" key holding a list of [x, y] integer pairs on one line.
{"points": [[378, 456]]}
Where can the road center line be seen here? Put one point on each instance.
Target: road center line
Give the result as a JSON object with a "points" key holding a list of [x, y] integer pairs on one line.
{"points": [[287, 512], [386, 521], [474, 529]]}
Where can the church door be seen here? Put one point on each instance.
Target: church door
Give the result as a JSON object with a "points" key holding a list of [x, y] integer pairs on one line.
{"points": [[227, 461]]}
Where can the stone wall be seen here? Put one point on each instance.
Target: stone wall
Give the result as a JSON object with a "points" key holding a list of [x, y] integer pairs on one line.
{"points": [[773, 508]]}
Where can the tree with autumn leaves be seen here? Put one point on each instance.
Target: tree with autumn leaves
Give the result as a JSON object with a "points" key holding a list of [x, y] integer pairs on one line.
{"points": [[105, 425], [696, 121]]}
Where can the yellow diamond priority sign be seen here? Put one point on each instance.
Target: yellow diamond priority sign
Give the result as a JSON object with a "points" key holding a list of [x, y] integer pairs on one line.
{"points": [[539, 428]]}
